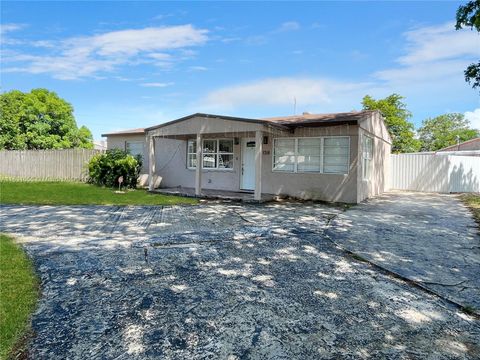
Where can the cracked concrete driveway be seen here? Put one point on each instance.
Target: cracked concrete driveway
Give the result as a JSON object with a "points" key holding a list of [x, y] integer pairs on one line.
{"points": [[429, 238], [220, 281]]}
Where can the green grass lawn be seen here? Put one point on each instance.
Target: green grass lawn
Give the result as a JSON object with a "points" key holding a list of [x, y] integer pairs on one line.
{"points": [[473, 202], [70, 193], [18, 294]]}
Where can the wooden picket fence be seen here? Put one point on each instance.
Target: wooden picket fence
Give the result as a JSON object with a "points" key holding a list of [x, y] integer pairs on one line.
{"points": [[62, 165]]}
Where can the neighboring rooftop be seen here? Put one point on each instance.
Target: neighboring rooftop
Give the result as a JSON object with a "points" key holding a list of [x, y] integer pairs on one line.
{"points": [[473, 144], [100, 145], [126, 132]]}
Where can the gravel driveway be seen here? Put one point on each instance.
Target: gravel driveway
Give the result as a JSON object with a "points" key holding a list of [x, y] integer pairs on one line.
{"points": [[220, 281]]}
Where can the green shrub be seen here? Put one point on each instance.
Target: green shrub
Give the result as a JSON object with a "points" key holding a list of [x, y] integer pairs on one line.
{"points": [[105, 169]]}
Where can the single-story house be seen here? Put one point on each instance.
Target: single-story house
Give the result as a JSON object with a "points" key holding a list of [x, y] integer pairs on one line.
{"points": [[340, 157]]}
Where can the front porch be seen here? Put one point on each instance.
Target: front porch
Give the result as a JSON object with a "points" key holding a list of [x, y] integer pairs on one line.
{"points": [[216, 152], [211, 194], [201, 168]]}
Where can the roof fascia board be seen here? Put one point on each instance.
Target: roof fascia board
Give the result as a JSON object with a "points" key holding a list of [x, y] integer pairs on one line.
{"points": [[211, 116]]}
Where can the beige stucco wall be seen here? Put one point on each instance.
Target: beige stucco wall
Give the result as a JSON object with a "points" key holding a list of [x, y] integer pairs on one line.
{"points": [[327, 187], [171, 165], [171, 157], [375, 128], [119, 142], [173, 169]]}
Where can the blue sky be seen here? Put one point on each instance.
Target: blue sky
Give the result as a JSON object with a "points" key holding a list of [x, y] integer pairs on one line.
{"points": [[133, 64]]}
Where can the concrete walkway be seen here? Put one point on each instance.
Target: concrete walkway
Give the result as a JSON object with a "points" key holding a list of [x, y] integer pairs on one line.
{"points": [[429, 238], [244, 196], [220, 281]]}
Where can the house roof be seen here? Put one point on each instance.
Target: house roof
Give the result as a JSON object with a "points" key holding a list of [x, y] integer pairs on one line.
{"points": [[126, 132], [460, 145], [283, 122], [319, 119], [212, 116]]}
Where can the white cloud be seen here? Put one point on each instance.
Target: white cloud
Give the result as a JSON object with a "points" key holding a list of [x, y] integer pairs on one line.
{"points": [[160, 56], [43, 44], [433, 53], [198, 68], [227, 40], [474, 118], [433, 43], [425, 74], [281, 92], [162, 16], [157, 84], [288, 26], [5, 28], [123, 78], [89, 55], [131, 42]]}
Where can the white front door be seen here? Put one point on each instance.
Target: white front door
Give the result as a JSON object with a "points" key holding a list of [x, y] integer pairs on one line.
{"points": [[248, 164]]}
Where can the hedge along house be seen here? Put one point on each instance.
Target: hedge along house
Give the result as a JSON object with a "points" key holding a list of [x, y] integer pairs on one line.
{"points": [[341, 157]]}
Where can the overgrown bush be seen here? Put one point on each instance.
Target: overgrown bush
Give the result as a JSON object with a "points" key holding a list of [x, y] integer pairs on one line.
{"points": [[105, 169]]}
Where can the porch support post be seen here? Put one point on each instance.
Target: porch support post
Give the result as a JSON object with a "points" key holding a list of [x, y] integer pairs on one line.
{"points": [[258, 164], [198, 169], [151, 163]]}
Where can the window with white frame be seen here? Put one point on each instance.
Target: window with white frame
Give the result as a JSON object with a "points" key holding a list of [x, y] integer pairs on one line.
{"points": [[336, 155], [225, 154], [309, 155], [284, 155], [367, 155], [329, 155], [192, 154], [134, 148], [217, 154], [210, 154]]}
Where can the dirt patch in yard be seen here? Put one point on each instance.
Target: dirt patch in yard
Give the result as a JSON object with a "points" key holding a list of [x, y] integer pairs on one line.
{"points": [[472, 201]]}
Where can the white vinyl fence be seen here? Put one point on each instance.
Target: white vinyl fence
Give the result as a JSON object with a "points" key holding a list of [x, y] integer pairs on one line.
{"points": [[68, 164], [435, 173]]}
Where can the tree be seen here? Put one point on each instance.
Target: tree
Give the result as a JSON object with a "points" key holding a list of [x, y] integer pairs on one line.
{"points": [[468, 15], [39, 119], [445, 130], [396, 116]]}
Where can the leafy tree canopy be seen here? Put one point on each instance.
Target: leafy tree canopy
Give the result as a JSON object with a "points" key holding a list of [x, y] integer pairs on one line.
{"points": [[445, 130], [396, 116], [468, 15], [39, 119]]}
